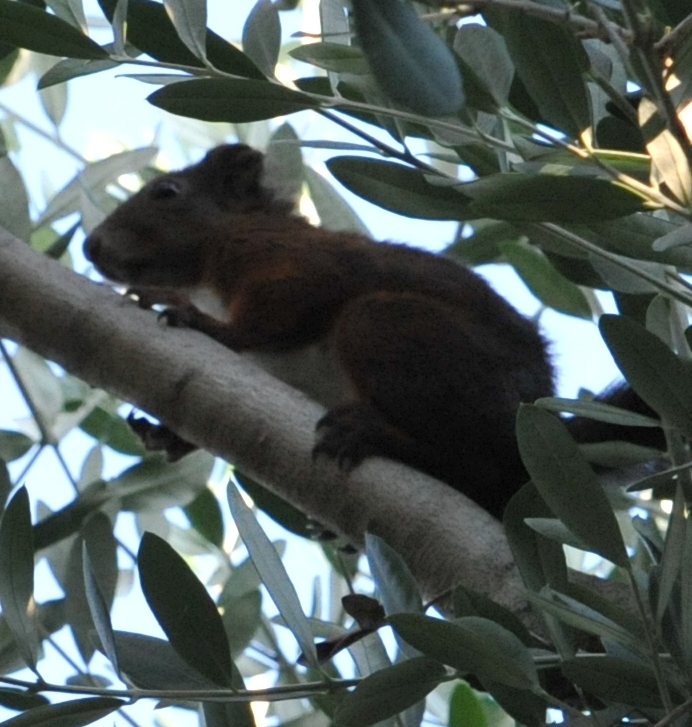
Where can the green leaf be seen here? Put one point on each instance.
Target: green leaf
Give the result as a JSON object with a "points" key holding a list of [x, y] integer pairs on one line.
{"points": [[242, 617], [567, 483], [409, 61], [334, 57], [666, 153], [150, 29], [154, 484], [283, 163], [205, 516], [5, 484], [389, 691], [396, 587], [334, 212], [152, 663], [232, 100], [14, 445], [70, 68], [75, 713], [14, 202], [471, 603], [470, 644], [94, 178], [184, 609], [278, 509], [550, 61], [540, 561], [272, 572], [398, 188], [554, 529], [545, 282], [661, 378], [465, 709], [113, 431], [26, 26], [17, 576], [99, 540], [77, 606], [262, 36], [673, 549], [548, 198], [572, 612], [598, 411], [614, 680], [484, 51], [99, 611], [189, 18]]}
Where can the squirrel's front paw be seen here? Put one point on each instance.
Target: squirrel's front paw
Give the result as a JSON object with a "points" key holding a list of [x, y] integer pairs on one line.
{"points": [[345, 433]]}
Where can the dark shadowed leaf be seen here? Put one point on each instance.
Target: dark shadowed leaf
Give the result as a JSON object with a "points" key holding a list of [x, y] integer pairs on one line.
{"points": [[232, 100], [205, 516], [410, 62], [398, 188], [484, 50], [673, 550], [471, 603], [150, 29], [278, 509], [470, 644], [550, 61], [262, 36], [572, 612], [545, 282], [272, 572], [545, 198], [614, 680], [152, 663], [540, 561], [5, 484], [26, 26], [235, 714], [74, 713], [17, 576], [389, 691], [567, 483], [184, 609], [14, 202], [20, 700], [597, 410], [99, 610], [78, 611], [661, 378]]}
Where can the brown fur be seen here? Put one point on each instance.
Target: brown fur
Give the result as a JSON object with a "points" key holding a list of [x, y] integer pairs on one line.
{"points": [[432, 363]]}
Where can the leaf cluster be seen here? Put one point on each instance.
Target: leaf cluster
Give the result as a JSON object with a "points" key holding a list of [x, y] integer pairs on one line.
{"points": [[523, 128]]}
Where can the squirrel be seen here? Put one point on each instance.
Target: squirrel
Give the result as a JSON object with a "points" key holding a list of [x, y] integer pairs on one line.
{"points": [[415, 356]]}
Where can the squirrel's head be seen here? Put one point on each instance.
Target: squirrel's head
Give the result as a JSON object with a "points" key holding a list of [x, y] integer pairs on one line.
{"points": [[158, 235]]}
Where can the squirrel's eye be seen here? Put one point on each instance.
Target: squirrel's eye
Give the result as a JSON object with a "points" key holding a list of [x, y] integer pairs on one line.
{"points": [[165, 189]]}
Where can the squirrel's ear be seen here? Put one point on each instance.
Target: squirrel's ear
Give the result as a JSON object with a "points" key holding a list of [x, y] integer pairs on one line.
{"points": [[237, 168]]}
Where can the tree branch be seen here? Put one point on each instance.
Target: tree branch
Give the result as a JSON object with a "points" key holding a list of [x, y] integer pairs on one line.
{"points": [[214, 398]]}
